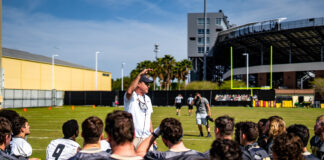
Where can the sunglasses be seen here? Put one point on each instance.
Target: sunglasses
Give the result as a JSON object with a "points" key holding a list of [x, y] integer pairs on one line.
{"points": [[147, 84]]}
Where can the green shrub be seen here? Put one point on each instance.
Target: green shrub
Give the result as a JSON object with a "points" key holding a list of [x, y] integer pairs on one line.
{"points": [[318, 84], [202, 85], [236, 84]]}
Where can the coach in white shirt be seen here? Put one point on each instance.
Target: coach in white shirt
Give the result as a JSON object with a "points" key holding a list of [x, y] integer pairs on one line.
{"points": [[140, 106]]}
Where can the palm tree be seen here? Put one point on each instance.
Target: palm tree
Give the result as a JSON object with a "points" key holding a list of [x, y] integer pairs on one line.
{"points": [[155, 72], [177, 73], [186, 66], [140, 66], [168, 65], [182, 70]]}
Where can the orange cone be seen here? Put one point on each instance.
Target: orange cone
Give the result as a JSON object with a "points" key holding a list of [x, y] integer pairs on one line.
{"points": [[25, 109], [93, 106], [72, 107]]}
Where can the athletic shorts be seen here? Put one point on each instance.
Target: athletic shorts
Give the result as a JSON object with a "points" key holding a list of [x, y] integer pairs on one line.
{"points": [[178, 105], [201, 119], [190, 107]]}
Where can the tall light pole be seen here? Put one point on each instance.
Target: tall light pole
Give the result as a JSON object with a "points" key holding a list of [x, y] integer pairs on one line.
{"points": [[97, 69], [156, 50], [247, 69], [205, 41], [53, 75], [122, 76]]}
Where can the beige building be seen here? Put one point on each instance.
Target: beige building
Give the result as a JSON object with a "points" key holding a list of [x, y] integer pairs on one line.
{"points": [[23, 70]]}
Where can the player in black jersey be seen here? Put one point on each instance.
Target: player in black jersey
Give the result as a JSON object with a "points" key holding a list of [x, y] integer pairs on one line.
{"points": [[303, 133], [171, 131], [316, 142], [5, 137], [121, 132], [248, 134], [225, 149], [287, 146], [92, 133]]}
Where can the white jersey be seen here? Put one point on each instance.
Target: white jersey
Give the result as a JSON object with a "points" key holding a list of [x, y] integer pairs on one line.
{"points": [[61, 149], [20, 147], [178, 99], [141, 109], [190, 99], [104, 145]]}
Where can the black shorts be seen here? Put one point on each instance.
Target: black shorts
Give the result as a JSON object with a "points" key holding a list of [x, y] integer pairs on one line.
{"points": [[190, 107], [178, 105]]}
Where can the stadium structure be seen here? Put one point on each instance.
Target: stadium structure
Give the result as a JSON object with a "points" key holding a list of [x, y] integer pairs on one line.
{"points": [[298, 51]]}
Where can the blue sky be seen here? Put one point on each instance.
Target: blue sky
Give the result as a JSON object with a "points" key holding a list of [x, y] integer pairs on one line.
{"points": [[126, 30]]}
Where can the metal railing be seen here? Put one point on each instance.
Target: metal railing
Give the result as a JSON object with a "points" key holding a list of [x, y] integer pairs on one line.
{"points": [[270, 25]]}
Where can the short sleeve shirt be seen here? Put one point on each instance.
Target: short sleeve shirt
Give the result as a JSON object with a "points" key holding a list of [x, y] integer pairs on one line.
{"points": [[105, 146], [61, 149], [201, 105], [4, 156], [20, 147], [141, 109], [178, 99], [190, 99]]}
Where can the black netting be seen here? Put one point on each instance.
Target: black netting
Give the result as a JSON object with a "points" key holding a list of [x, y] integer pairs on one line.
{"points": [[166, 98]]}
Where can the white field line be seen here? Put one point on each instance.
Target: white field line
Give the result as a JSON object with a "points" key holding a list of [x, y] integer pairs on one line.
{"points": [[193, 139], [46, 130], [42, 129], [40, 137], [190, 139]]}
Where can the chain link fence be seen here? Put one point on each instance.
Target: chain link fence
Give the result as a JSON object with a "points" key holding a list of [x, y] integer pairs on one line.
{"points": [[17, 98]]}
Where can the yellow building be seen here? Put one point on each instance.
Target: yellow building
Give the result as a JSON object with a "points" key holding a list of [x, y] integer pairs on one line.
{"points": [[23, 70]]}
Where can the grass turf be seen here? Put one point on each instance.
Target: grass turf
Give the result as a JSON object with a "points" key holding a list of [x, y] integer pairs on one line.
{"points": [[46, 124]]}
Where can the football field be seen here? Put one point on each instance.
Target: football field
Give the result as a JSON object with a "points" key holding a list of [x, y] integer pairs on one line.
{"points": [[46, 124]]}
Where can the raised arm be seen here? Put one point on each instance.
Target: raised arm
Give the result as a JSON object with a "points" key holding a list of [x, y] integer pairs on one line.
{"points": [[145, 145], [134, 83]]}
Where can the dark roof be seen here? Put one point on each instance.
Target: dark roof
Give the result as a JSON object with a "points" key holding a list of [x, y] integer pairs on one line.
{"points": [[302, 38], [12, 53]]}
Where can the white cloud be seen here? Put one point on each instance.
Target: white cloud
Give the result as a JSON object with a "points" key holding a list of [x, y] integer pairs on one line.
{"points": [[121, 41], [131, 41]]}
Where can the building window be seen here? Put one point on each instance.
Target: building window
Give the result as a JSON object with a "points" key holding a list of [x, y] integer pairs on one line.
{"points": [[105, 74], [201, 49], [192, 38], [218, 29], [201, 40], [201, 31], [218, 21], [201, 21]]}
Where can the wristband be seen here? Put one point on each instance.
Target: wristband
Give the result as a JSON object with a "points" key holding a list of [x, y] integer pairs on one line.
{"points": [[156, 133]]}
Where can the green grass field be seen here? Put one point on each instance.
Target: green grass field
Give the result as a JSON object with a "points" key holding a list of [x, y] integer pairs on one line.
{"points": [[46, 124]]}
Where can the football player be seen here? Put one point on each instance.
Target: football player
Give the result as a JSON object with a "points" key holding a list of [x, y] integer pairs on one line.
{"points": [[5, 137], [20, 148], [92, 133], [171, 132], [66, 147]]}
